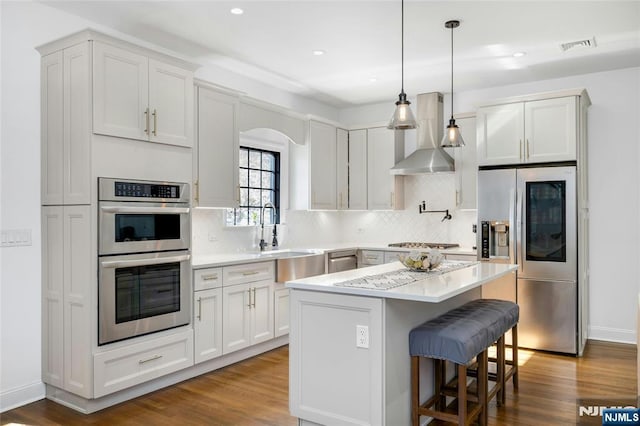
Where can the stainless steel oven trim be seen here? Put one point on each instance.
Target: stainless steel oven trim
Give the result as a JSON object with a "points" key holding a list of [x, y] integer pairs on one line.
{"points": [[107, 244], [108, 330]]}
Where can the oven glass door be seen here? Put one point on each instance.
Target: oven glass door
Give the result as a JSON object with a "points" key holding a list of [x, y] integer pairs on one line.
{"points": [[141, 227], [140, 294]]}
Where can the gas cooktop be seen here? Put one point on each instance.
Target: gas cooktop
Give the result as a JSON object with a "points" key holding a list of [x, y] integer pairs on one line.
{"points": [[424, 245]]}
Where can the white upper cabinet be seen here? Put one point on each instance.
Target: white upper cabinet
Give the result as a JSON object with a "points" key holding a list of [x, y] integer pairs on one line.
{"points": [[384, 191], [536, 131], [342, 168], [137, 97], [218, 149], [466, 164], [322, 166], [358, 169], [550, 130], [500, 134]]}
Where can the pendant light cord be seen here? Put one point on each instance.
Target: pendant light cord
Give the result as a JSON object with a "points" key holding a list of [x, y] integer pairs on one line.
{"points": [[451, 71], [402, 49]]}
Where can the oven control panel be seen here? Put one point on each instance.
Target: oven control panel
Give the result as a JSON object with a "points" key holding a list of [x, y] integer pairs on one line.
{"points": [[145, 190]]}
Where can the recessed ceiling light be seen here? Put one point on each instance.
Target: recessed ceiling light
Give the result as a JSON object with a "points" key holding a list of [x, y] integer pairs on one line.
{"points": [[519, 54], [318, 52], [237, 11]]}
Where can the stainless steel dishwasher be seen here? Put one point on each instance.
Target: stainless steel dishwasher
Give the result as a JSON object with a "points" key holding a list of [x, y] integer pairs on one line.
{"points": [[342, 260]]}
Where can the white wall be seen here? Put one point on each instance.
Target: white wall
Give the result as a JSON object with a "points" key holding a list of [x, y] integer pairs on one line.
{"points": [[614, 135], [23, 26]]}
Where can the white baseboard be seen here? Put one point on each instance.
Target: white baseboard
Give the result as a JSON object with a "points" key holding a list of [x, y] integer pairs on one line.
{"points": [[14, 398], [608, 334]]}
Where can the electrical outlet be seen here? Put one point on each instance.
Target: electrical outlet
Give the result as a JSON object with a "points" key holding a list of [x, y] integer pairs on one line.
{"points": [[362, 336]]}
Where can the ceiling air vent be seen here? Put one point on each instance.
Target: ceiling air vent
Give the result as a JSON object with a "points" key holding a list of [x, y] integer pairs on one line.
{"points": [[591, 42]]}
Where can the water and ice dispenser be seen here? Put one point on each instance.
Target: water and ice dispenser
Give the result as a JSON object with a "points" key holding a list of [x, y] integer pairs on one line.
{"points": [[494, 239]]}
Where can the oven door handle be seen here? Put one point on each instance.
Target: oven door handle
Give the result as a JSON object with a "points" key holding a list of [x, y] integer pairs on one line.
{"points": [[144, 262], [145, 210]]}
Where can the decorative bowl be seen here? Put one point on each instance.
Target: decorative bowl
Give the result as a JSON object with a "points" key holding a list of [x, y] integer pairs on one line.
{"points": [[422, 260]]}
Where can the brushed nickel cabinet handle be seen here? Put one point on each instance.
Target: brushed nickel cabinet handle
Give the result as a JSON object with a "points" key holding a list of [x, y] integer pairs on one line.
{"points": [[520, 145], [254, 297], [249, 305], [527, 149], [199, 308], [153, 358], [155, 122], [196, 197], [210, 277], [250, 273], [146, 121]]}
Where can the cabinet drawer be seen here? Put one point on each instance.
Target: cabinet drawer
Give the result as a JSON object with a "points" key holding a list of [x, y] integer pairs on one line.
{"points": [[371, 257], [392, 256], [250, 272], [204, 279], [131, 365]]}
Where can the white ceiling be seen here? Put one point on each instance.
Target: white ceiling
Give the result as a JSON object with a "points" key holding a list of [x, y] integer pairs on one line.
{"points": [[273, 41]]}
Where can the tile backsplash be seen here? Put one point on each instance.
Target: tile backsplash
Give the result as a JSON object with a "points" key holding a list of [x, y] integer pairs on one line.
{"points": [[309, 228]]}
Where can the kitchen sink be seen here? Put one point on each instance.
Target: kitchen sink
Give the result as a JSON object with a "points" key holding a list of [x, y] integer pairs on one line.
{"points": [[291, 265]]}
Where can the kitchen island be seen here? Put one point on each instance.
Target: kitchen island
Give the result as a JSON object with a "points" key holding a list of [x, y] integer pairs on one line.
{"points": [[348, 345]]}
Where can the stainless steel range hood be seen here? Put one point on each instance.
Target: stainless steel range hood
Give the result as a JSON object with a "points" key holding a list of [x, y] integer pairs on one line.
{"points": [[429, 157]]}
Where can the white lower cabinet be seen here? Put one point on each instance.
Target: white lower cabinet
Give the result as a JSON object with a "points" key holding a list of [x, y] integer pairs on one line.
{"points": [[207, 324], [370, 257], [392, 256], [247, 311], [131, 365], [281, 312]]}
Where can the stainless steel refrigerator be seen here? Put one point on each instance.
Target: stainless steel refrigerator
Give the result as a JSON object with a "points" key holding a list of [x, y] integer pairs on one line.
{"points": [[528, 216]]}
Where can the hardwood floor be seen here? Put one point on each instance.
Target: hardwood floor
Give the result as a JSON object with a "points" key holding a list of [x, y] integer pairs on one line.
{"points": [[255, 392]]}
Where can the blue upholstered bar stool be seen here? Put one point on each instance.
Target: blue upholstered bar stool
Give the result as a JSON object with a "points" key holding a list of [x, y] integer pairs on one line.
{"points": [[459, 336]]}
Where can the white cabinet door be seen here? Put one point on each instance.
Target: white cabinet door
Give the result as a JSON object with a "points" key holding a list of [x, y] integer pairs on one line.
{"points": [[466, 165], [261, 311], [342, 168], [170, 104], [384, 191], [500, 133], [218, 150], [207, 324], [77, 125], [281, 312], [52, 296], [322, 165], [358, 169], [52, 108], [550, 130], [120, 92], [78, 264], [236, 317]]}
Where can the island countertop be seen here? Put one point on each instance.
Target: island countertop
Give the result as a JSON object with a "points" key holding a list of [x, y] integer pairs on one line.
{"points": [[434, 288]]}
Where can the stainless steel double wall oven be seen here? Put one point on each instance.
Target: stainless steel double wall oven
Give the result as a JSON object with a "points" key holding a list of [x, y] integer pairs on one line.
{"points": [[144, 239]]}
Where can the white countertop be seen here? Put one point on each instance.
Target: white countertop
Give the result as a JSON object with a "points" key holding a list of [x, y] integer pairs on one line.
{"points": [[216, 260], [434, 288]]}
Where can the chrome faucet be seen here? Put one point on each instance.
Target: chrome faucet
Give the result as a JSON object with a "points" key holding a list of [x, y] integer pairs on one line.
{"points": [[263, 244]]}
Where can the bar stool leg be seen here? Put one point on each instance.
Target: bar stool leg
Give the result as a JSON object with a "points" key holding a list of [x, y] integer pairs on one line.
{"points": [[483, 391], [500, 367], [440, 380], [514, 356], [415, 390], [462, 394]]}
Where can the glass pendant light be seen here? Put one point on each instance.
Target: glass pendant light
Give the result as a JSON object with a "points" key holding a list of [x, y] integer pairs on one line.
{"points": [[403, 117], [452, 137]]}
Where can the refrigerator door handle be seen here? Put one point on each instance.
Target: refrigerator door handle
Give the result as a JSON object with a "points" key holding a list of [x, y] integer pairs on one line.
{"points": [[519, 229], [512, 219]]}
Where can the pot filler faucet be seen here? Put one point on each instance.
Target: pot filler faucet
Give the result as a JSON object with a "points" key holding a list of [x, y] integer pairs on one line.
{"points": [[263, 243]]}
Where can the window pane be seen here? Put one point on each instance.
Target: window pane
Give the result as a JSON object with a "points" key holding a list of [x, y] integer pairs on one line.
{"points": [[254, 178], [229, 217], [241, 217], [244, 197], [244, 177], [254, 198], [268, 162], [244, 158], [267, 197], [254, 216], [267, 180], [254, 159]]}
